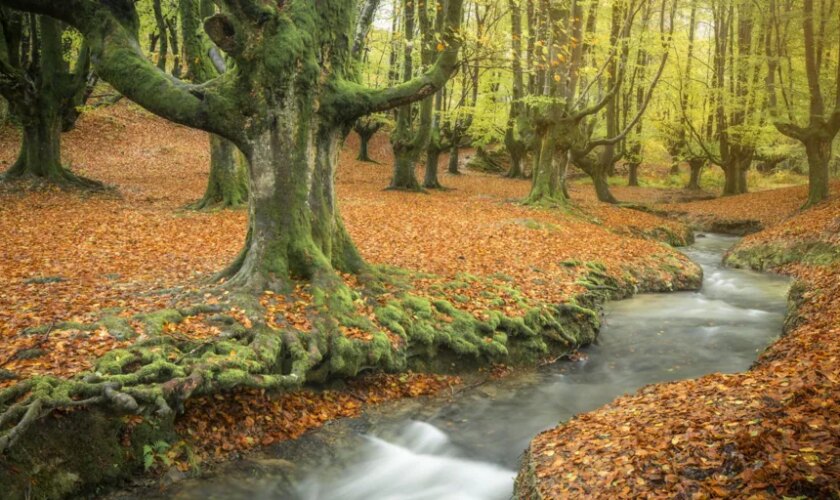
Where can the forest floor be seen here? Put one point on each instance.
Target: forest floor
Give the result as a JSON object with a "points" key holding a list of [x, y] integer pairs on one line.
{"points": [[70, 256], [75, 257], [771, 432]]}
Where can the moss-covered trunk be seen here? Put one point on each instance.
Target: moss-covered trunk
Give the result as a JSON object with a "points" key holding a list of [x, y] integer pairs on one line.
{"points": [[38, 97], [227, 185], [549, 177], [433, 151], [818, 150], [294, 229], [404, 177], [40, 151]]}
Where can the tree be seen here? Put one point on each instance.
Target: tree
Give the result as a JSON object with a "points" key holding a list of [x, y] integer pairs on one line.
{"points": [[823, 125], [564, 113], [517, 126], [227, 184], [410, 139], [287, 104], [366, 127], [43, 93]]}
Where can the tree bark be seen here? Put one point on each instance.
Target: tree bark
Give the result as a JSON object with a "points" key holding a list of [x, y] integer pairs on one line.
{"points": [[294, 229], [696, 165], [454, 157], [818, 150], [227, 185], [44, 89]]}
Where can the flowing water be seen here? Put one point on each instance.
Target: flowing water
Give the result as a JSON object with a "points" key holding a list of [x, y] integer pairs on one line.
{"points": [[469, 448]]}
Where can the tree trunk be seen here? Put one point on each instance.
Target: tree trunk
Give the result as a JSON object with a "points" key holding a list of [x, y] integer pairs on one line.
{"points": [[227, 186], [735, 170], [404, 177], [818, 151], [696, 165], [430, 180], [454, 159], [602, 187], [294, 229], [364, 154], [549, 176], [40, 152], [633, 175]]}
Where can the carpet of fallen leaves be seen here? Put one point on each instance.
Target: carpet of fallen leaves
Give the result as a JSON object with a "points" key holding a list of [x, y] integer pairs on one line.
{"points": [[217, 427], [771, 432], [762, 209], [70, 256]]}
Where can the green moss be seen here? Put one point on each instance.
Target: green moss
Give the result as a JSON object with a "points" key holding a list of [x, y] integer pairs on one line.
{"points": [[153, 323]]}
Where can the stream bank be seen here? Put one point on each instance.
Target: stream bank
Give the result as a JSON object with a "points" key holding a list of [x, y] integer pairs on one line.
{"points": [[467, 446], [769, 432]]}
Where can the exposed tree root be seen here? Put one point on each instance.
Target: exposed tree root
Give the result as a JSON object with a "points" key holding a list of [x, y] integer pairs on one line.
{"points": [[260, 349]]}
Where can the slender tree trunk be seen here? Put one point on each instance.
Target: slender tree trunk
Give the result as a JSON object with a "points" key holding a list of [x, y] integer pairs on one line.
{"points": [[430, 180], [454, 156], [162, 30], [434, 147]]}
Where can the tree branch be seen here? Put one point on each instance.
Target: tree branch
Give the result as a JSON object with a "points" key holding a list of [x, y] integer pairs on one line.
{"points": [[363, 23], [353, 100], [120, 61]]}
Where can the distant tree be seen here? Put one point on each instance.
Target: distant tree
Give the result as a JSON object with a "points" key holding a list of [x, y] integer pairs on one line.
{"points": [[43, 92], [227, 184], [823, 124]]}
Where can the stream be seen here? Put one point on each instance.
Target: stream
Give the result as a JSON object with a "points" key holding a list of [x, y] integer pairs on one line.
{"points": [[468, 447]]}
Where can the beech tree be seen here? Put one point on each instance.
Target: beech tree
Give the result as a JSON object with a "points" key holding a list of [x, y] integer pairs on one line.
{"points": [[823, 122], [227, 184], [287, 104], [43, 92], [563, 114]]}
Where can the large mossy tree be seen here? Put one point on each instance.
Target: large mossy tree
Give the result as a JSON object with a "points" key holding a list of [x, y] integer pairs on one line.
{"points": [[288, 103], [43, 91]]}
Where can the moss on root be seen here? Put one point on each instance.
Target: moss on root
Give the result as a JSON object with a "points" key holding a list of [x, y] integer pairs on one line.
{"points": [[159, 372]]}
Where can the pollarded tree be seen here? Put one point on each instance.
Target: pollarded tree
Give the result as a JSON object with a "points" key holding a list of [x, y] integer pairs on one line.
{"points": [[227, 184], [564, 123], [413, 130], [42, 90], [366, 127], [288, 103], [823, 125]]}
